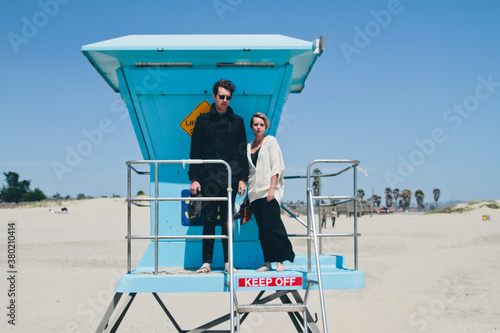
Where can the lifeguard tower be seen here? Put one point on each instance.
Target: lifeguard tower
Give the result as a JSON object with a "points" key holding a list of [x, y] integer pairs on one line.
{"points": [[166, 82]]}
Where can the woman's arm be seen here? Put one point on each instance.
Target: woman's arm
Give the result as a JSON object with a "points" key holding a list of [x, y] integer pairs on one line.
{"points": [[270, 193], [276, 166]]}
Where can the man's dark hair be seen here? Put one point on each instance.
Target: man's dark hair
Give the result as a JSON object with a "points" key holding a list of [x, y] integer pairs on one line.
{"points": [[226, 84]]}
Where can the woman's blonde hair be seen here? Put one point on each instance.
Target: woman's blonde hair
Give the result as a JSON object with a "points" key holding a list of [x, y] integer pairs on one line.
{"points": [[261, 116]]}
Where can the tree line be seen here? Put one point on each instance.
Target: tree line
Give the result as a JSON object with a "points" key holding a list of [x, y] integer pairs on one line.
{"points": [[392, 196], [17, 191]]}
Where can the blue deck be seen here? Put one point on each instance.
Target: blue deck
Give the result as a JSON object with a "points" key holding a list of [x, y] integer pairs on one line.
{"points": [[179, 279]]}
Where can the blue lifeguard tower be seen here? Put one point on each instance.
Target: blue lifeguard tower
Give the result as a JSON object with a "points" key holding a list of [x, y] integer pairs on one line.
{"points": [[166, 82]]}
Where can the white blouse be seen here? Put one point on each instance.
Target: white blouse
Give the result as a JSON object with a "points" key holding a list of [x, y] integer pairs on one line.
{"points": [[269, 163]]}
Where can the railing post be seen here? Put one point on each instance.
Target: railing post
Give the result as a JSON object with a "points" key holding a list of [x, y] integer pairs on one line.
{"points": [[356, 217], [129, 220], [230, 235], [310, 212], [320, 214], [318, 267], [156, 218]]}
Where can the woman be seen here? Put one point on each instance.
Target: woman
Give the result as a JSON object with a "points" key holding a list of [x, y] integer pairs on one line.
{"points": [[265, 191]]}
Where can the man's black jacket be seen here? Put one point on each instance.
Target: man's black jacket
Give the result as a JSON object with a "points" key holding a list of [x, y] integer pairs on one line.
{"points": [[217, 136]]}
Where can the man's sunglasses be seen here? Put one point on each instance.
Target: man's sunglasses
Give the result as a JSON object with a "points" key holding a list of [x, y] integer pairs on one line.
{"points": [[222, 97]]}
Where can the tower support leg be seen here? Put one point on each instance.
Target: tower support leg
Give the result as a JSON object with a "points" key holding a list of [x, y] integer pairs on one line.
{"points": [[117, 310], [106, 325]]}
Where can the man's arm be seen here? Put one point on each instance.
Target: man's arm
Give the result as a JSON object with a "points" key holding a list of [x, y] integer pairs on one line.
{"points": [[196, 152]]}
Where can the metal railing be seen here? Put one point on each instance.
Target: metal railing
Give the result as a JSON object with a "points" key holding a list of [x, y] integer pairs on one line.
{"points": [[157, 199], [354, 198], [312, 235]]}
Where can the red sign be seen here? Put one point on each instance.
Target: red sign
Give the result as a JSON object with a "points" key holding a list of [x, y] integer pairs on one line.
{"points": [[270, 282]]}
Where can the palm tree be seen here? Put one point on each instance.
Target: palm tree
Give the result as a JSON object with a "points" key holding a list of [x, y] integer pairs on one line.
{"points": [[388, 200], [361, 193], [405, 199], [376, 199], [419, 195], [395, 193], [436, 192], [388, 197]]}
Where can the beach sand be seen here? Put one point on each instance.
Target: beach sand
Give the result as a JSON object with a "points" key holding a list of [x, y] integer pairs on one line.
{"points": [[424, 273]]}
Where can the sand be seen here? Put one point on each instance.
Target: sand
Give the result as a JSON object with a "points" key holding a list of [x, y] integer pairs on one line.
{"points": [[424, 273]]}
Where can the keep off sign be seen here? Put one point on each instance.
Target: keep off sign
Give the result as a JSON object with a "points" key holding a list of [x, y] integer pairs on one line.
{"points": [[270, 282], [188, 123]]}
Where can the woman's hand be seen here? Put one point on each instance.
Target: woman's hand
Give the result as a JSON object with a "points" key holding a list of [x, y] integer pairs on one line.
{"points": [[242, 188], [270, 194]]}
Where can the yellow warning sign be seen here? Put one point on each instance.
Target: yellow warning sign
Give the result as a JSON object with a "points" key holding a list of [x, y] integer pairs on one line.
{"points": [[188, 123]]}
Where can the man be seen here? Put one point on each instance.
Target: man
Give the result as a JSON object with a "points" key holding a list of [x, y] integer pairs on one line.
{"points": [[218, 134]]}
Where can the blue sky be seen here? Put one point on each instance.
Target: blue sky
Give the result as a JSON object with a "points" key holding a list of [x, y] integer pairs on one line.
{"points": [[409, 88]]}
